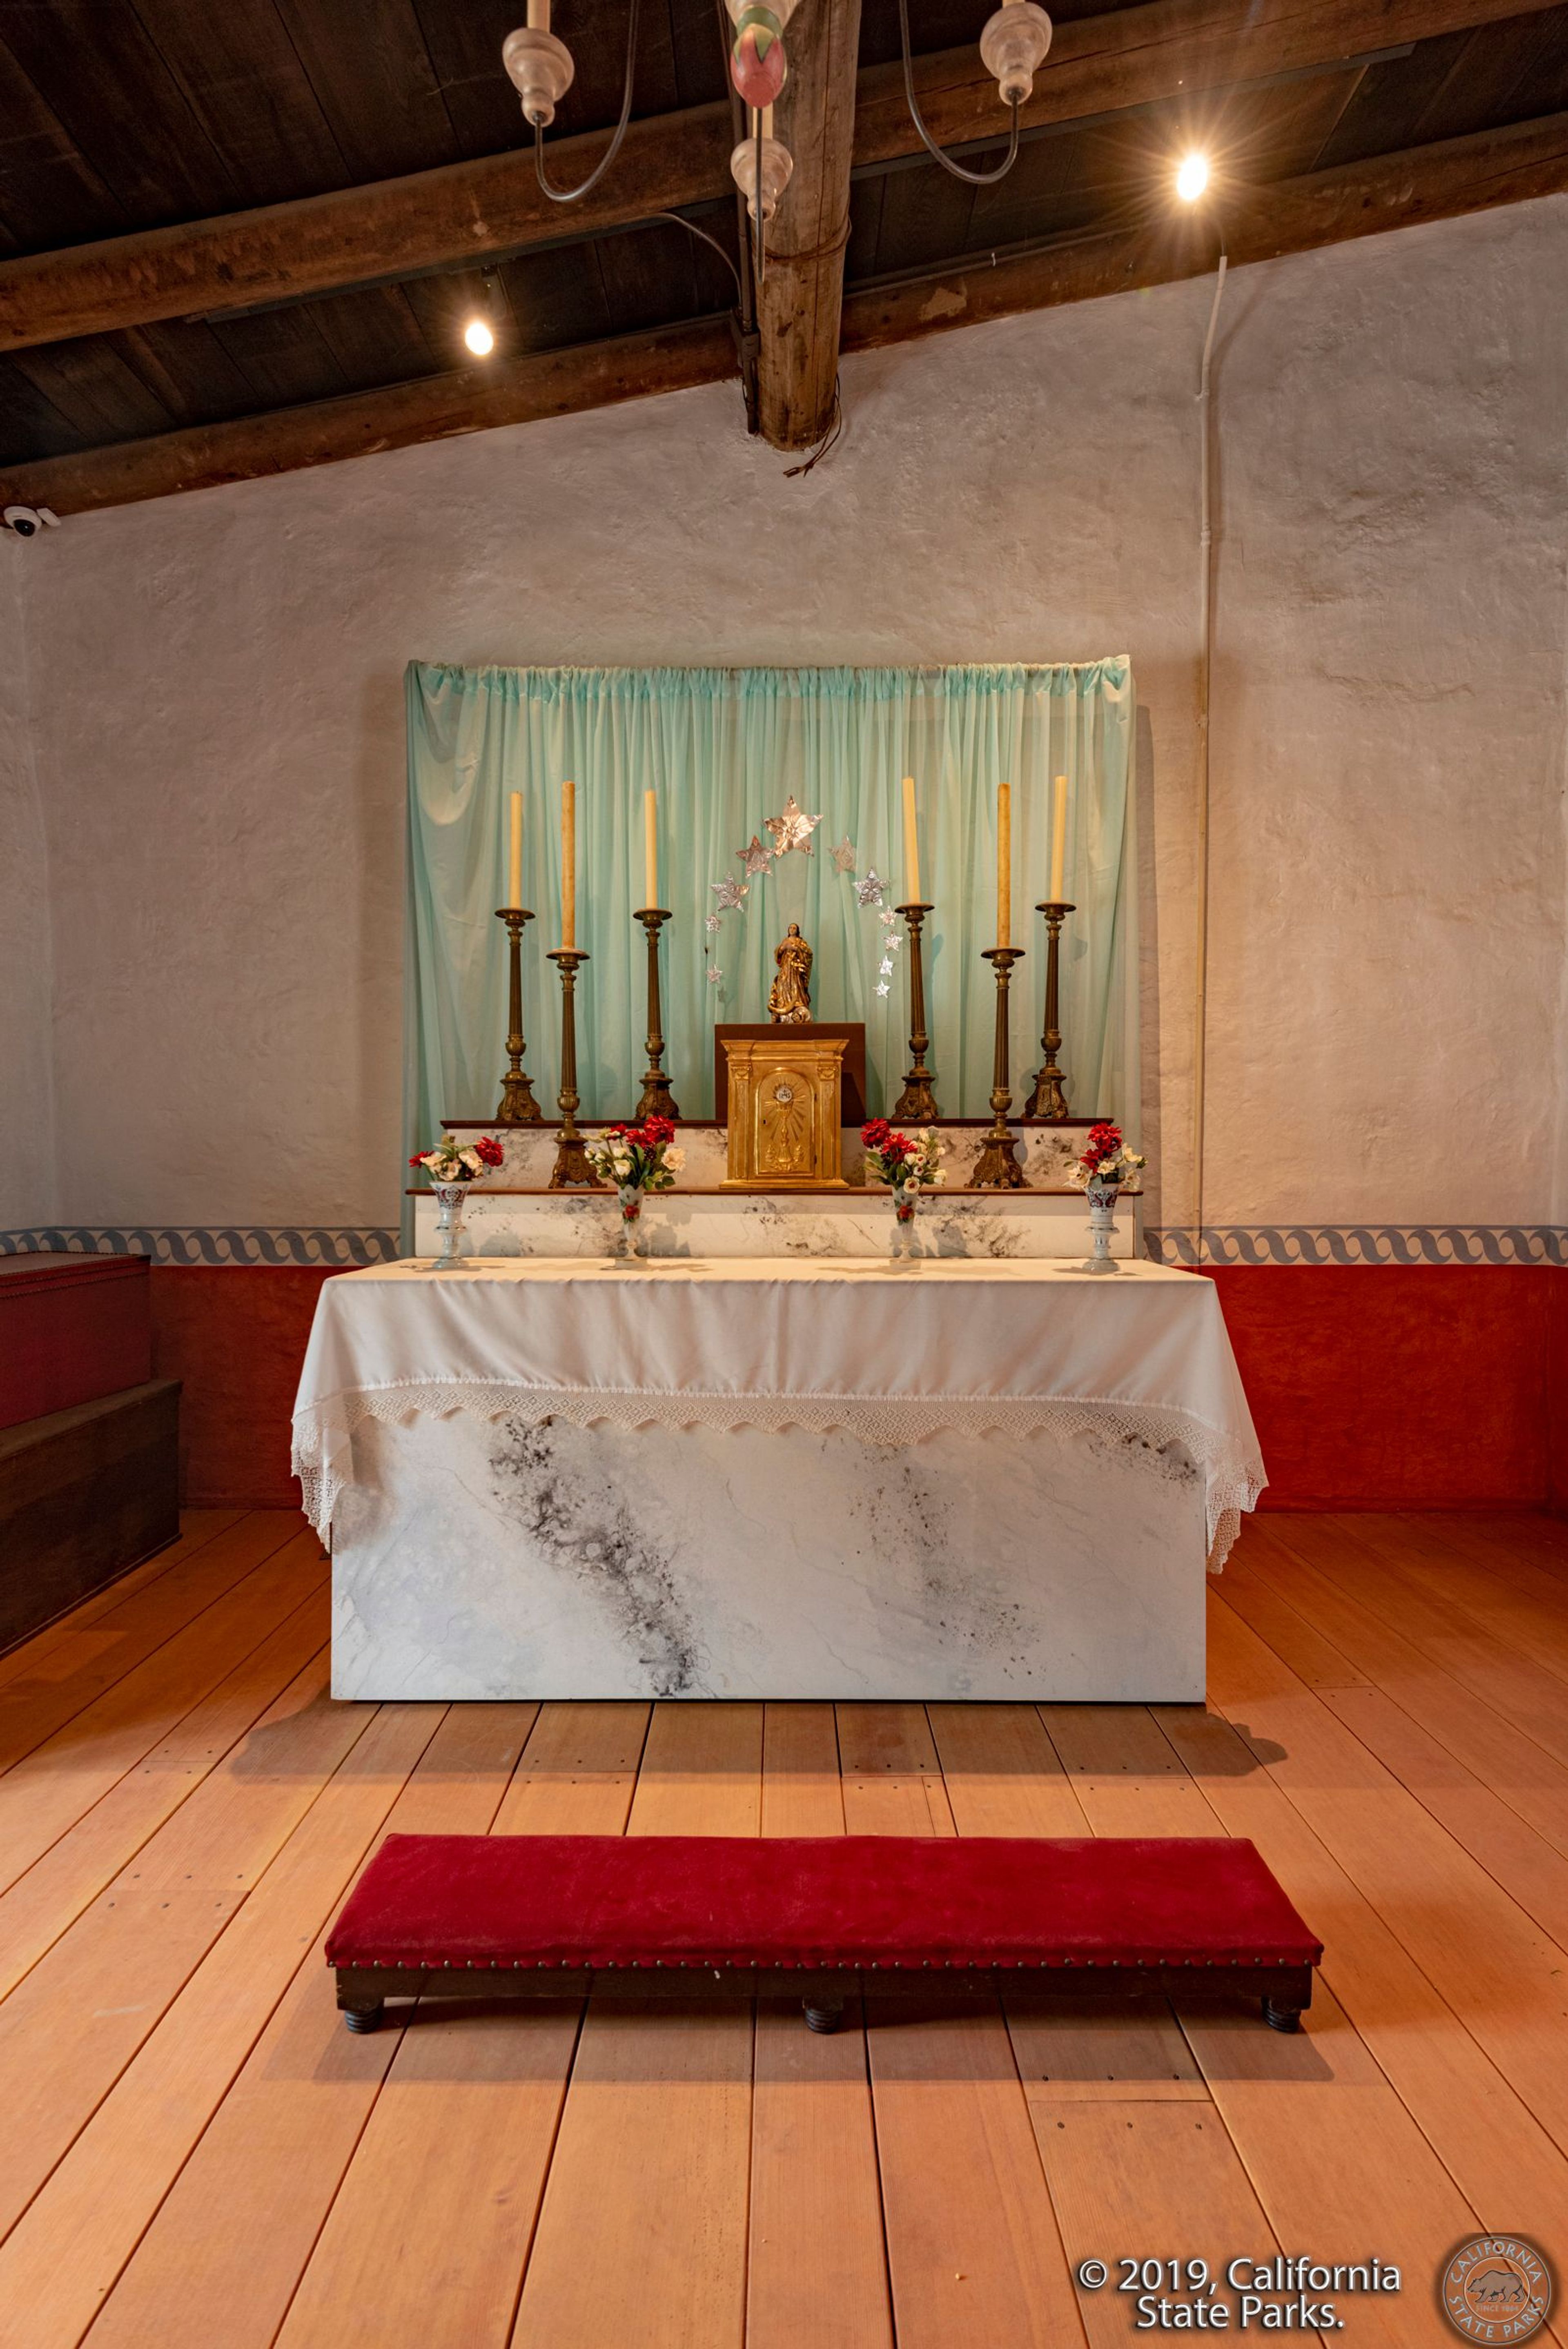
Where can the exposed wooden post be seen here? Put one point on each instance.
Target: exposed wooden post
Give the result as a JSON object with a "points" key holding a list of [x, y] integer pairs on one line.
{"points": [[802, 292]]}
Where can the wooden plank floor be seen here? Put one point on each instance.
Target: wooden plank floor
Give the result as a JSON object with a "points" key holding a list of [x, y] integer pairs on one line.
{"points": [[195, 2155]]}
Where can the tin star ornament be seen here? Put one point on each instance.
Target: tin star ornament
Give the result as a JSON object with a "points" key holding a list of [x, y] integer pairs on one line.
{"points": [[869, 891], [756, 859], [842, 855], [728, 895], [793, 829]]}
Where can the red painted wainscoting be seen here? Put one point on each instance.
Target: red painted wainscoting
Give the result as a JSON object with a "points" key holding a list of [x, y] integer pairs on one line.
{"points": [[1557, 1393], [1373, 1386], [236, 1335], [1401, 1386]]}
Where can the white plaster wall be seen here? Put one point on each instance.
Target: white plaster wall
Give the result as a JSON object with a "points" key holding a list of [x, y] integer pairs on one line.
{"points": [[27, 1187], [1389, 731], [218, 728]]}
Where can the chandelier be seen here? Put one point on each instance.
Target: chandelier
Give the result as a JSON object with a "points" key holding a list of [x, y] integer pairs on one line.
{"points": [[1012, 47]]}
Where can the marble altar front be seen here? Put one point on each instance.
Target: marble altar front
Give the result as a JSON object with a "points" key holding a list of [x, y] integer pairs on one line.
{"points": [[530, 1557]]}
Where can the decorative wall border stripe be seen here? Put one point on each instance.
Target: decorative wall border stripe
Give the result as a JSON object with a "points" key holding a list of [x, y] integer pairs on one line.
{"points": [[228, 1244], [343, 1246], [1362, 1244]]}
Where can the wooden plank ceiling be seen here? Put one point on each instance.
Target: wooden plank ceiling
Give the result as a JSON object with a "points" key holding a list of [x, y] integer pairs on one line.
{"points": [[160, 329]]}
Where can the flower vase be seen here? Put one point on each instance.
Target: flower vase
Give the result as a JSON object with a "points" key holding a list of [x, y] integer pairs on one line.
{"points": [[1102, 1198], [903, 1221], [449, 1223], [631, 1238]]}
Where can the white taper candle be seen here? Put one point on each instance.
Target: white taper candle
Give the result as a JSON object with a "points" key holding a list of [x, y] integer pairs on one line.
{"points": [[1059, 842], [569, 866]]}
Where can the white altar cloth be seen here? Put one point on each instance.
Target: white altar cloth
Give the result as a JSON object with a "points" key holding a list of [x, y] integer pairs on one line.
{"points": [[892, 1353]]}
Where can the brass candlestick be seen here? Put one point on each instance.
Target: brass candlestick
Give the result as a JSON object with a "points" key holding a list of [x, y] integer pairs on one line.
{"points": [[657, 1101], [518, 1106], [917, 1099], [571, 1171], [997, 1168], [1049, 1099]]}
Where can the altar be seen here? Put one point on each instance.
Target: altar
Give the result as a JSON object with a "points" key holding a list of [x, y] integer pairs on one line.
{"points": [[780, 1477]]}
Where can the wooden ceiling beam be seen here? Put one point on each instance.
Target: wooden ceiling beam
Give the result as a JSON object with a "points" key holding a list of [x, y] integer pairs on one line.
{"points": [[364, 423], [801, 291], [1440, 181], [1137, 56], [1321, 208], [464, 213]]}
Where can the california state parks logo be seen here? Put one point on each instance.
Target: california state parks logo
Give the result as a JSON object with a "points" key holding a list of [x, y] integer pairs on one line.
{"points": [[1495, 2288]]}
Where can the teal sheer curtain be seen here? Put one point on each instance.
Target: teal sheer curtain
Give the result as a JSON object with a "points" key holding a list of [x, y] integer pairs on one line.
{"points": [[724, 749]]}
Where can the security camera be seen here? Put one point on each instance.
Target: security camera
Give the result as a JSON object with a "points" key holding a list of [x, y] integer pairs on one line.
{"points": [[28, 521]]}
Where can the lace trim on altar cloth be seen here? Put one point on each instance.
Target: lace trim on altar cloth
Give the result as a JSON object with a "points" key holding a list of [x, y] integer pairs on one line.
{"points": [[1232, 1473]]}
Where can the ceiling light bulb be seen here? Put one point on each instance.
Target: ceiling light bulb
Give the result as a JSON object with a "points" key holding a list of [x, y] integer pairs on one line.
{"points": [[1191, 178], [479, 338]]}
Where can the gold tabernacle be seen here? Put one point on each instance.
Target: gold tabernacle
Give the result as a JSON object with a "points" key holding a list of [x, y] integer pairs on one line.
{"points": [[784, 1112]]}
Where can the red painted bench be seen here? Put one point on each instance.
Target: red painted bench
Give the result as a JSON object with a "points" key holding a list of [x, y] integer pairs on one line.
{"points": [[547, 1916]]}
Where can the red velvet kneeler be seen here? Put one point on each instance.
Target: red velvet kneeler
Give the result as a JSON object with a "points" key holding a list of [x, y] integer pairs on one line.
{"points": [[546, 1913]]}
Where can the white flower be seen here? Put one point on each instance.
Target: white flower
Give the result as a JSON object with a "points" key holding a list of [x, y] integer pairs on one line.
{"points": [[674, 1158], [472, 1160]]}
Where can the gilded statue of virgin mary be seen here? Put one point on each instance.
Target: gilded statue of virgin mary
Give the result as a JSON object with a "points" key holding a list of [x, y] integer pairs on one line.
{"points": [[789, 997]]}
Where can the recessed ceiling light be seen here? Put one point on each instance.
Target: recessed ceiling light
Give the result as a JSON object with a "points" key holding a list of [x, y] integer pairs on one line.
{"points": [[481, 341]]}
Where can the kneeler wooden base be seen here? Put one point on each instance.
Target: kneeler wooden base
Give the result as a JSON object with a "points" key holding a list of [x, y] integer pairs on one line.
{"points": [[488, 1917], [1283, 1991]]}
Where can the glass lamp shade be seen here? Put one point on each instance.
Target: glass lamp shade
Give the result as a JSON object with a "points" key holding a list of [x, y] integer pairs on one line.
{"points": [[542, 68], [757, 60], [783, 10], [1013, 45], [777, 165]]}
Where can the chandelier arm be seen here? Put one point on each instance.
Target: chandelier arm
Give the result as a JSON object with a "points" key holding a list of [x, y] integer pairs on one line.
{"points": [[974, 179], [761, 262], [692, 230], [571, 195]]}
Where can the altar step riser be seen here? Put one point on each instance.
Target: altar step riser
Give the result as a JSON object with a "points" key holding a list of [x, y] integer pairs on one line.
{"points": [[760, 1223], [1045, 1153], [1048, 1220]]}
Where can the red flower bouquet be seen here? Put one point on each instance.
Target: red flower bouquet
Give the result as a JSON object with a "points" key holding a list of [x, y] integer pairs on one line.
{"points": [[637, 1159], [1106, 1162], [907, 1163], [455, 1161]]}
